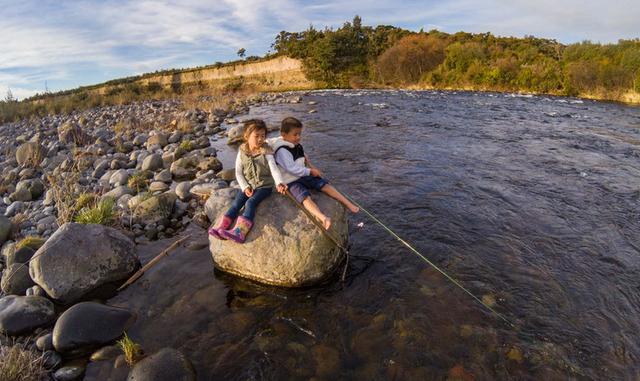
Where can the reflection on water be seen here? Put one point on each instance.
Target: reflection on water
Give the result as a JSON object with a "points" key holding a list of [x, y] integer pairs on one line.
{"points": [[531, 202]]}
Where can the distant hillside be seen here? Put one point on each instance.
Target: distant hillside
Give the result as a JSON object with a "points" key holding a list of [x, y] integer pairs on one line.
{"points": [[384, 56]]}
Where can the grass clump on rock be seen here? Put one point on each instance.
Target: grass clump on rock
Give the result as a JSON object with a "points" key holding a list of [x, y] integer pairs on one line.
{"points": [[19, 364], [102, 213], [138, 182], [186, 145], [132, 351], [31, 241]]}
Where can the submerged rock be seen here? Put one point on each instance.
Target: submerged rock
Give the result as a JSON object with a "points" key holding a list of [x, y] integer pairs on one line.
{"points": [[167, 364], [89, 325], [284, 247], [78, 259]]}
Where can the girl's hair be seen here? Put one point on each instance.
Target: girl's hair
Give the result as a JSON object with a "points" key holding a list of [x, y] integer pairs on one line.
{"points": [[250, 126], [253, 125]]}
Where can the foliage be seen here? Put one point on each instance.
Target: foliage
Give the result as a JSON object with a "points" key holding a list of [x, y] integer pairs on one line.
{"points": [[131, 350], [138, 182], [31, 241], [102, 213]]}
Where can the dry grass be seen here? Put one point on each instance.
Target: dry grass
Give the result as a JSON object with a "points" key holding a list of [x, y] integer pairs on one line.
{"points": [[19, 364], [138, 182], [64, 196], [31, 241], [132, 351]]}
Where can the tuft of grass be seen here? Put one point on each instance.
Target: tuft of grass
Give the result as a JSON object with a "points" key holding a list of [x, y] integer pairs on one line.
{"points": [[102, 213], [186, 145], [20, 364], [85, 199], [138, 182], [184, 126], [132, 351], [32, 241]]}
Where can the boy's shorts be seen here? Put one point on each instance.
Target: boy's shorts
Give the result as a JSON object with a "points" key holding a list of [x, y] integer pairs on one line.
{"points": [[300, 188]]}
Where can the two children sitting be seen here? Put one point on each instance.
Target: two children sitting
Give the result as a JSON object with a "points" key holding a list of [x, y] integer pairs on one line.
{"points": [[258, 171]]}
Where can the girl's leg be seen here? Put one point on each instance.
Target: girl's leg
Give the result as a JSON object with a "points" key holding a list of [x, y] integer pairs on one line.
{"points": [[312, 207], [255, 200], [333, 192], [237, 204]]}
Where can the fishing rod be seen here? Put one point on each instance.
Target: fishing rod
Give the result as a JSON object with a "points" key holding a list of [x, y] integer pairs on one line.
{"points": [[454, 281]]}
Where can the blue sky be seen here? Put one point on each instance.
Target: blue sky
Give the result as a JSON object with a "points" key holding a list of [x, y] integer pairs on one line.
{"points": [[73, 43]]}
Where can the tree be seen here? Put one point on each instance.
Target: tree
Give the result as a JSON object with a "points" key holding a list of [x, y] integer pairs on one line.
{"points": [[241, 52], [9, 97]]}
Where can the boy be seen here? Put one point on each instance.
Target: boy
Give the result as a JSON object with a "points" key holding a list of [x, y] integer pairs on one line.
{"points": [[299, 174]]}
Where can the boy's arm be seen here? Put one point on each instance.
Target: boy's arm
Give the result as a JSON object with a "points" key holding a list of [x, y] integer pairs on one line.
{"points": [[285, 159], [239, 175], [315, 172]]}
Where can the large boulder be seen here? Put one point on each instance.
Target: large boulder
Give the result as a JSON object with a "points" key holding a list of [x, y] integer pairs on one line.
{"points": [[23, 314], [30, 153], [89, 325], [167, 364], [285, 248], [79, 258], [219, 201]]}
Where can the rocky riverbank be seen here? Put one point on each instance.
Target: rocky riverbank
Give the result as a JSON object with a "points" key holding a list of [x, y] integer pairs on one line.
{"points": [[79, 193]]}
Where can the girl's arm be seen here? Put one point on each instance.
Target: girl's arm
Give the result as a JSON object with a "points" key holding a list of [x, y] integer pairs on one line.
{"points": [[275, 172], [239, 175]]}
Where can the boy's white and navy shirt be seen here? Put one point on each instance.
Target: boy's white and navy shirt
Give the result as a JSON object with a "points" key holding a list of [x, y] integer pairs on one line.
{"points": [[292, 168]]}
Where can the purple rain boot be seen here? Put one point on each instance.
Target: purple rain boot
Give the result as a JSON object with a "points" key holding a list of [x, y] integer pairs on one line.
{"points": [[223, 223], [240, 231]]}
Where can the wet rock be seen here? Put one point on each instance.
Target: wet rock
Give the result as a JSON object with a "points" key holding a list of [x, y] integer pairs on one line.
{"points": [[327, 361], [23, 314], [89, 325], [305, 255], [16, 279], [30, 153], [167, 364], [152, 162], [79, 258]]}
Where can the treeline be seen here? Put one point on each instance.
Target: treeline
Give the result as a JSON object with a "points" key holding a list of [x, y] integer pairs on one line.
{"points": [[357, 55]]}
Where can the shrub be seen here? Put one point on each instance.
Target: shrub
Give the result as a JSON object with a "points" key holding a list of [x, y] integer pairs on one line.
{"points": [[102, 213], [186, 145], [84, 200]]}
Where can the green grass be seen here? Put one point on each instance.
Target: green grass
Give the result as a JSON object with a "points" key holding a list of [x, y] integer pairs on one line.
{"points": [[186, 145], [138, 182], [132, 351], [102, 213], [84, 200]]}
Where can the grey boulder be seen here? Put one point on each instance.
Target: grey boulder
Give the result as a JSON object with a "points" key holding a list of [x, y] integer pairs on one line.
{"points": [[78, 258], [22, 314]]}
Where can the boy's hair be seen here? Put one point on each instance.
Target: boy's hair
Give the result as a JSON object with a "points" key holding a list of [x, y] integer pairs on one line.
{"points": [[289, 124], [253, 125]]}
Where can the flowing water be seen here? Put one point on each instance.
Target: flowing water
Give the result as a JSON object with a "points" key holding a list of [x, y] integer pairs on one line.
{"points": [[532, 203]]}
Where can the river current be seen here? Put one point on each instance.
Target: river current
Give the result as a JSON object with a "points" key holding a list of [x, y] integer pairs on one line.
{"points": [[530, 202]]}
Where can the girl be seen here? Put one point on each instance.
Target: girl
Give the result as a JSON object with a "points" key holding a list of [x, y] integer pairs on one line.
{"points": [[257, 173]]}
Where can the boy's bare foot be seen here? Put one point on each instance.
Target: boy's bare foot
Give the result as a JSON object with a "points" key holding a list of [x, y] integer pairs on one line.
{"points": [[327, 223], [354, 209]]}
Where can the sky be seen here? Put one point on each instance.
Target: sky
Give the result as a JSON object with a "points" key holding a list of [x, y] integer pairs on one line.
{"points": [[58, 45]]}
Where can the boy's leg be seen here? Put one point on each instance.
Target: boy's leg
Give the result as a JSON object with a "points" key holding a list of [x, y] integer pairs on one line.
{"points": [[333, 192], [312, 207]]}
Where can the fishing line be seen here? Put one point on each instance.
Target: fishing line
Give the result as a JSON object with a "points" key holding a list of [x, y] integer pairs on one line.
{"points": [[374, 218]]}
